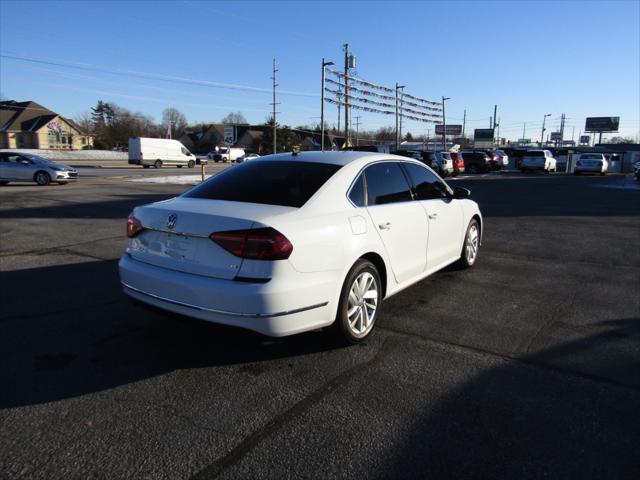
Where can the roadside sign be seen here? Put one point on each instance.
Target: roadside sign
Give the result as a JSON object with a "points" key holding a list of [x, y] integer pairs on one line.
{"points": [[451, 129], [524, 140], [229, 135], [556, 136], [585, 139]]}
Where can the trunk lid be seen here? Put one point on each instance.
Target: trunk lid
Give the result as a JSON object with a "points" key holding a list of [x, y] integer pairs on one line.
{"points": [[176, 234]]}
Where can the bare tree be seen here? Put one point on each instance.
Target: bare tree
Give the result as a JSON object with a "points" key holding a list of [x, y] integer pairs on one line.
{"points": [[235, 118], [85, 121], [175, 118]]}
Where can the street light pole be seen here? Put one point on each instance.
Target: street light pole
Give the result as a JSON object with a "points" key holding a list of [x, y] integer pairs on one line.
{"points": [[324, 64], [544, 119], [444, 124]]}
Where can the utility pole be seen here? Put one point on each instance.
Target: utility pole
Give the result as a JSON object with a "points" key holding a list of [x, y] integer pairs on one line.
{"points": [[274, 106], [401, 107], [495, 115], [346, 94], [357, 127], [444, 125], [464, 121], [561, 130], [398, 87], [324, 65], [498, 135], [524, 129], [490, 122]]}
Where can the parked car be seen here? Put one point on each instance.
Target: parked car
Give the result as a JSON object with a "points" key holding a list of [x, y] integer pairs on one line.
{"points": [[441, 162], [159, 152], [636, 170], [499, 159], [476, 162], [226, 154], [416, 155], [246, 157], [25, 167], [590, 163], [457, 159], [538, 160], [294, 242]]}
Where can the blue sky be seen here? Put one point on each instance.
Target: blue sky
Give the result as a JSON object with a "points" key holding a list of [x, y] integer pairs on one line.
{"points": [[209, 58]]}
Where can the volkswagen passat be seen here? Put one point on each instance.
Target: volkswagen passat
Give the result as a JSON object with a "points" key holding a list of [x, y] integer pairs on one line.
{"points": [[289, 243]]}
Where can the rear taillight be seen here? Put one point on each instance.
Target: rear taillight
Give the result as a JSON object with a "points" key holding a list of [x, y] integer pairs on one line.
{"points": [[257, 244], [141, 156], [134, 226]]}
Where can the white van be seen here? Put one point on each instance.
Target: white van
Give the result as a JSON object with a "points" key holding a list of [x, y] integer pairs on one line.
{"points": [[159, 152]]}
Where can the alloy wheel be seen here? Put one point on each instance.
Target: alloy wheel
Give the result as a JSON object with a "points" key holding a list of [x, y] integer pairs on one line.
{"points": [[471, 250], [362, 303]]}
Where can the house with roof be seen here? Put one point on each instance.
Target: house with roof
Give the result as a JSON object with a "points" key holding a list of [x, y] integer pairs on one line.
{"points": [[30, 125]]}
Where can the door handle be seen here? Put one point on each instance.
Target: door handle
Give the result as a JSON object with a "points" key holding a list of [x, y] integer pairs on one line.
{"points": [[433, 216], [385, 226]]}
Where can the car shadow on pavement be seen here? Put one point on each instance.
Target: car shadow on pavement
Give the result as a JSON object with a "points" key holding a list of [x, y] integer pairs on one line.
{"points": [[119, 206], [69, 330], [570, 411]]}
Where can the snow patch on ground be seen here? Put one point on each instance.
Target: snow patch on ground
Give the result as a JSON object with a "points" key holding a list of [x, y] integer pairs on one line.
{"points": [[173, 179]]}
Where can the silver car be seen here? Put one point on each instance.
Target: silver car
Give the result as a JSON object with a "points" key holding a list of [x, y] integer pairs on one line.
{"points": [[25, 167]]}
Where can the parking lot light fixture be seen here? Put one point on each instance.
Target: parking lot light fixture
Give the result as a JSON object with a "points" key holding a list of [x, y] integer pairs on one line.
{"points": [[544, 119]]}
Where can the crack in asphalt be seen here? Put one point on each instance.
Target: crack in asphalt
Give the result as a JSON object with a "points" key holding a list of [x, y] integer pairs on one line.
{"points": [[276, 423], [44, 251], [508, 358]]}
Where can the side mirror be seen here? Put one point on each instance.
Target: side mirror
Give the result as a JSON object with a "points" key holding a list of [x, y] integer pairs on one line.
{"points": [[460, 193]]}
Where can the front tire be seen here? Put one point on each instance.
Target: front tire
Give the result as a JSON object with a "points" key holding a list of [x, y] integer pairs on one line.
{"points": [[157, 164], [42, 178], [471, 245], [360, 300], [191, 164]]}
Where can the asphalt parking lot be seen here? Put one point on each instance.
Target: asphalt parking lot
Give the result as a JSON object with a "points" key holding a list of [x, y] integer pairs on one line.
{"points": [[526, 366]]}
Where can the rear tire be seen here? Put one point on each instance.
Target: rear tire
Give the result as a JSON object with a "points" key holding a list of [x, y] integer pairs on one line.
{"points": [[179, 166], [3, 183], [471, 245], [158, 164], [602, 174], [42, 178], [62, 183], [360, 301], [145, 166], [191, 164]]}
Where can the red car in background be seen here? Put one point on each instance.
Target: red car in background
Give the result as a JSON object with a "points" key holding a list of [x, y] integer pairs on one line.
{"points": [[458, 163]]}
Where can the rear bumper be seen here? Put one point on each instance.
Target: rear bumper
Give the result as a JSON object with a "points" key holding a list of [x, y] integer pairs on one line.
{"points": [[275, 308]]}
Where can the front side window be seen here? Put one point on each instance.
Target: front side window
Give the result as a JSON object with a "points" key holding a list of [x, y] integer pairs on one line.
{"points": [[427, 185], [286, 183], [386, 184]]}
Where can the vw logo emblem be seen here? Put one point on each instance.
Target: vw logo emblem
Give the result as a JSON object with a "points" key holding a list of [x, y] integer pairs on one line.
{"points": [[171, 221]]}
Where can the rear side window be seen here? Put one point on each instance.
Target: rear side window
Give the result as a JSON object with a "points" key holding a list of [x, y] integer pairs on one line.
{"points": [[386, 184], [289, 184], [356, 195], [427, 185]]}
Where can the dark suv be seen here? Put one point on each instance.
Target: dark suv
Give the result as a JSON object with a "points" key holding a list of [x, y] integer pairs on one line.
{"points": [[476, 162]]}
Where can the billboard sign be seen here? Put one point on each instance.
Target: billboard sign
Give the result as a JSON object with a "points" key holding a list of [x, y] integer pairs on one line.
{"points": [[451, 129], [483, 137], [585, 139], [556, 136], [602, 124], [524, 140]]}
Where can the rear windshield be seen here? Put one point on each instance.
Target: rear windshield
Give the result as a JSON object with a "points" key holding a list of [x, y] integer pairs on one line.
{"points": [[535, 154], [289, 184]]}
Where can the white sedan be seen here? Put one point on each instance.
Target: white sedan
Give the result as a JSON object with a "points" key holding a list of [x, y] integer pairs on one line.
{"points": [[591, 163], [289, 243]]}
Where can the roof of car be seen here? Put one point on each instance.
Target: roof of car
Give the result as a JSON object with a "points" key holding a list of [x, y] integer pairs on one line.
{"points": [[333, 157]]}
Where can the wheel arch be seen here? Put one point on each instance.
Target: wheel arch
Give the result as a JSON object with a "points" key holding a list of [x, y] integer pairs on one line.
{"points": [[378, 262], [35, 174]]}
